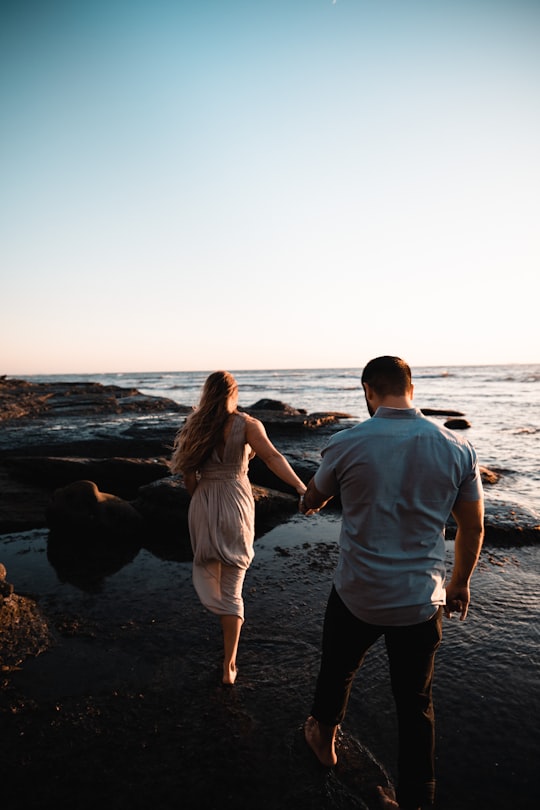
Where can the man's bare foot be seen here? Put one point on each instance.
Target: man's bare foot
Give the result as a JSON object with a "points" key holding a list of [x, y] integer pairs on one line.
{"points": [[229, 674], [321, 739], [388, 798]]}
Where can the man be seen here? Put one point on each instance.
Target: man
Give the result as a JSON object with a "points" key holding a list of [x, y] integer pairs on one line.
{"points": [[399, 477]]}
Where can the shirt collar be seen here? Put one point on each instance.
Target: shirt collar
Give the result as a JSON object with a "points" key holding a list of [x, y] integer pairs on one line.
{"points": [[397, 413]]}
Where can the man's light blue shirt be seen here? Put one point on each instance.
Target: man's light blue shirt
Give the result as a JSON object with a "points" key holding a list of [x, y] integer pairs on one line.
{"points": [[398, 475]]}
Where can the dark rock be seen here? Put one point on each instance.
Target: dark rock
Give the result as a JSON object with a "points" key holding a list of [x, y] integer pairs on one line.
{"points": [[505, 525], [24, 631], [261, 475], [275, 405], [6, 588], [81, 507], [509, 524], [22, 505], [440, 412], [278, 417], [164, 506], [457, 424], [92, 535], [163, 501], [277, 423], [123, 476], [272, 508], [490, 477], [20, 398]]}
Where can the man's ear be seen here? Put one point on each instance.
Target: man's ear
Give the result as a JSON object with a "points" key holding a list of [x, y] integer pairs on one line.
{"points": [[368, 390]]}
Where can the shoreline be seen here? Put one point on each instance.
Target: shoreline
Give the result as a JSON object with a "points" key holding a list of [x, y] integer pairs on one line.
{"points": [[126, 707]]}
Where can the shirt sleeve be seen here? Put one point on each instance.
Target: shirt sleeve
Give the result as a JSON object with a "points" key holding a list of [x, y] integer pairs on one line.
{"points": [[471, 488], [325, 478]]}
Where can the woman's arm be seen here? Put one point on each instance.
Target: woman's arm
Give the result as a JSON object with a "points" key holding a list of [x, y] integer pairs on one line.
{"points": [[274, 460]]}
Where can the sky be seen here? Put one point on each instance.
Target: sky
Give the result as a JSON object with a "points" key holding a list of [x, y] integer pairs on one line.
{"points": [[268, 183]]}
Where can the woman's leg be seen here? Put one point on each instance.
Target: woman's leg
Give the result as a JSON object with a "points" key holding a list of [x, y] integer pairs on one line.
{"points": [[231, 626], [219, 588], [232, 580]]}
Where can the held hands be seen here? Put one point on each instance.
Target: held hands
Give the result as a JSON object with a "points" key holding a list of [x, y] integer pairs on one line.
{"points": [[303, 508], [315, 499]]}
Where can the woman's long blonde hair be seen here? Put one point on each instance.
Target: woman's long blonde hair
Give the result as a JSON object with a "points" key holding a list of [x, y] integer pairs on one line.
{"points": [[203, 429]]}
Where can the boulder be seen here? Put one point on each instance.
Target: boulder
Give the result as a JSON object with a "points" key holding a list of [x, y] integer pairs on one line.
{"points": [[279, 417], [505, 525], [81, 507], [24, 631], [510, 524], [164, 506], [440, 412], [488, 476], [457, 424], [6, 588], [275, 405]]}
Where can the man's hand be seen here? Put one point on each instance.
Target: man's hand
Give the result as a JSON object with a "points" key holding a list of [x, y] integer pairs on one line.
{"points": [[312, 500], [457, 600]]}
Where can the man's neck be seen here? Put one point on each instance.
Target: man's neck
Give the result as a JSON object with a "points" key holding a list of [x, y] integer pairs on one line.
{"points": [[395, 402]]}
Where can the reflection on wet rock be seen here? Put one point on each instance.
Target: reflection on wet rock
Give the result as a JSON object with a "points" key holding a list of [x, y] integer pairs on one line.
{"points": [[93, 534], [85, 561]]}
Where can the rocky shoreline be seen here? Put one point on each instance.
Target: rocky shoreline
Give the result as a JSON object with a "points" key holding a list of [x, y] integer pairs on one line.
{"points": [[110, 689], [55, 434]]}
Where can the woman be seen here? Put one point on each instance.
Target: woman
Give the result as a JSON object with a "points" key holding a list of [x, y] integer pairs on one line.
{"points": [[212, 451]]}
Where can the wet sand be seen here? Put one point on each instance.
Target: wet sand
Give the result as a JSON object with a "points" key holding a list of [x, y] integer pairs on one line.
{"points": [[125, 709]]}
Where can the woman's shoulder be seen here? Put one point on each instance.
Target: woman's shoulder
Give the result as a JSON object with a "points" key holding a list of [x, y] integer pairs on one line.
{"points": [[248, 419], [253, 427]]}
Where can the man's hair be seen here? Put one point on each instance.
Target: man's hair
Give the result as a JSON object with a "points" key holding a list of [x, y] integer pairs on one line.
{"points": [[388, 376]]}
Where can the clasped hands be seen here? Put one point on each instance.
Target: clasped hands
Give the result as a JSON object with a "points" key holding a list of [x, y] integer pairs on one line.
{"points": [[304, 509]]}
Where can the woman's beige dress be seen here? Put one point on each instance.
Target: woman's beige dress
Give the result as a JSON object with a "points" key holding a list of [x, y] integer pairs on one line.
{"points": [[222, 510]]}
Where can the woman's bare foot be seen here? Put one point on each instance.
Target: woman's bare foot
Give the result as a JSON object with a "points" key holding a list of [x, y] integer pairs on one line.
{"points": [[321, 739], [229, 674], [388, 798]]}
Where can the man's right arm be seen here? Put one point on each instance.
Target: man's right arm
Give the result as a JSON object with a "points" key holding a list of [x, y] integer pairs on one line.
{"points": [[469, 516], [313, 499]]}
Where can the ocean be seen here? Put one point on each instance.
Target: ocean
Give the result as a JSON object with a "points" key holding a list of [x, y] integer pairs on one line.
{"points": [[501, 402]]}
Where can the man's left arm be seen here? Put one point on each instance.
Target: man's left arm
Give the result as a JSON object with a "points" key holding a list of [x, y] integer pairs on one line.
{"points": [[469, 516]]}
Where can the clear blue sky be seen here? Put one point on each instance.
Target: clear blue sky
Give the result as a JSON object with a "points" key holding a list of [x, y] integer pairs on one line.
{"points": [[268, 183]]}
